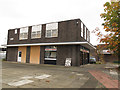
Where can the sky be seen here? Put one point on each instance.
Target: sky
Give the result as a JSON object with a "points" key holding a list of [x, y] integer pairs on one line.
{"points": [[20, 13]]}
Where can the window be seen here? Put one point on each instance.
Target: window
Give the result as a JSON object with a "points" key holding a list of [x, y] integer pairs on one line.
{"points": [[23, 33], [50, 52], [36, 31], [85, 33], [52, 30], [15, 31], [11, 39], [20, 53], [81, 29], [88, 36]]}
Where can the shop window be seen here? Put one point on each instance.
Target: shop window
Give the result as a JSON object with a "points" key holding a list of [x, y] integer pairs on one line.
{"points": [[23, 33], [52, 30], [50, 52], [81, 29], [36, 31]]}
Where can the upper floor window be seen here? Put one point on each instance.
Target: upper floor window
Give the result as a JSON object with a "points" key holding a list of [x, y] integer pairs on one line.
{"points": [[85, 33], [23, 33], [36, 31], [81, 29], [88, 36], [11, 39], [52, 30], [15, 31]]}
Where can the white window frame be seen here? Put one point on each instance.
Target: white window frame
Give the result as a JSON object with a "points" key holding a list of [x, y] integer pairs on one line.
{"points": [[88, 35], [51, 27], [85, 33], [36, 29], [81, 29], [23, 30]]}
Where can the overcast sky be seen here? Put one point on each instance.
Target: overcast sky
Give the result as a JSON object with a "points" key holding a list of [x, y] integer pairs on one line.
{"points": [[19, 13]]}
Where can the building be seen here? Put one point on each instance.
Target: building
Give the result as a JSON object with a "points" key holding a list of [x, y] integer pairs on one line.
{"points": [[2, 52], [106, 54], [50, 43]]}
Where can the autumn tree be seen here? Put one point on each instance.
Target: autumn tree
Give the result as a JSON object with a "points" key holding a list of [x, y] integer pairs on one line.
{"points": [[111, 25]]}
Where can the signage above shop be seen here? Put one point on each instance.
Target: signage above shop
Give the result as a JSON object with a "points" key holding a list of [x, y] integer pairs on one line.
{"points": [[50, 49], [83, 50]]}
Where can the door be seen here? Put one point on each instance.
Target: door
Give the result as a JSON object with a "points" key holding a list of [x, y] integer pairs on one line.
{"points": [[19, 56]]}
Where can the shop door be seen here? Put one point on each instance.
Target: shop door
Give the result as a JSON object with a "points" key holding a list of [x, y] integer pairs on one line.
{"points": [[19, 56]]}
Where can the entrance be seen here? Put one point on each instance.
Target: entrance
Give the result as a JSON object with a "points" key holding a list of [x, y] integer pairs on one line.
{"points": [[19, 56]]}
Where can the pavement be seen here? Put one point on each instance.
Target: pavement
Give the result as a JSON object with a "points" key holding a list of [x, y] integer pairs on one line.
{"points": [[19, 75]]}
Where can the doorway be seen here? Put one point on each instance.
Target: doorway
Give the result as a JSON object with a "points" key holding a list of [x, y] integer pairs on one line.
{"points": [[19, 56]]}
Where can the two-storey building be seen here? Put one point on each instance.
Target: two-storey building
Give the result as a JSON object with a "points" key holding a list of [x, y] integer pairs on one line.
{"points": [[50, 43]]}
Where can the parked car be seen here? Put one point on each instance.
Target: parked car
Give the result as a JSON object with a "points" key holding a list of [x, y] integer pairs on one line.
{"points": [[92, 60]]}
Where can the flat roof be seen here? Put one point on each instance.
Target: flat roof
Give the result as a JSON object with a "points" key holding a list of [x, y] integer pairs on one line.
{"points": [[85, 44], [52, 22]]}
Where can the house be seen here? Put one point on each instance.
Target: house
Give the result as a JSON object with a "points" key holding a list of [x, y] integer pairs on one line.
{"points": [[50, 43]]}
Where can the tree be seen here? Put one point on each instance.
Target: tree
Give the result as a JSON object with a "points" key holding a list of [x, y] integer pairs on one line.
{"points": [[111, 25]]}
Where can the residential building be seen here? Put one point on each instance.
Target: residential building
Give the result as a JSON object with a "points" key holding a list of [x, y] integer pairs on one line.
{"points": [[50, 43]]}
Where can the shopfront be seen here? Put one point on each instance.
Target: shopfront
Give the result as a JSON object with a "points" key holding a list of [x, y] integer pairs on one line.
{"points": [[50, 55], [84, 55]]}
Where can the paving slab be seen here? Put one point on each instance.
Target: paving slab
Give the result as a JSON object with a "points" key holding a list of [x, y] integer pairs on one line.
{"points": [[105, 79]]}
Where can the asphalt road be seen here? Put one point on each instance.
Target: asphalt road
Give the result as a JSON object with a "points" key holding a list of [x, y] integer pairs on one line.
{"points": [[17, 75]]}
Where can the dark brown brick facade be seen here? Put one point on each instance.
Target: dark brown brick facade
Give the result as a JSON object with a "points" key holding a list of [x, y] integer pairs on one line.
{"points": [[68, 31]]}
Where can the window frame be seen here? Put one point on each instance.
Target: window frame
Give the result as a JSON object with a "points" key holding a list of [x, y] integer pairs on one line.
{"points": [[87, 35], [50, 27], [36, 31], [23, 30], [82, 29], [48, 51]]}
